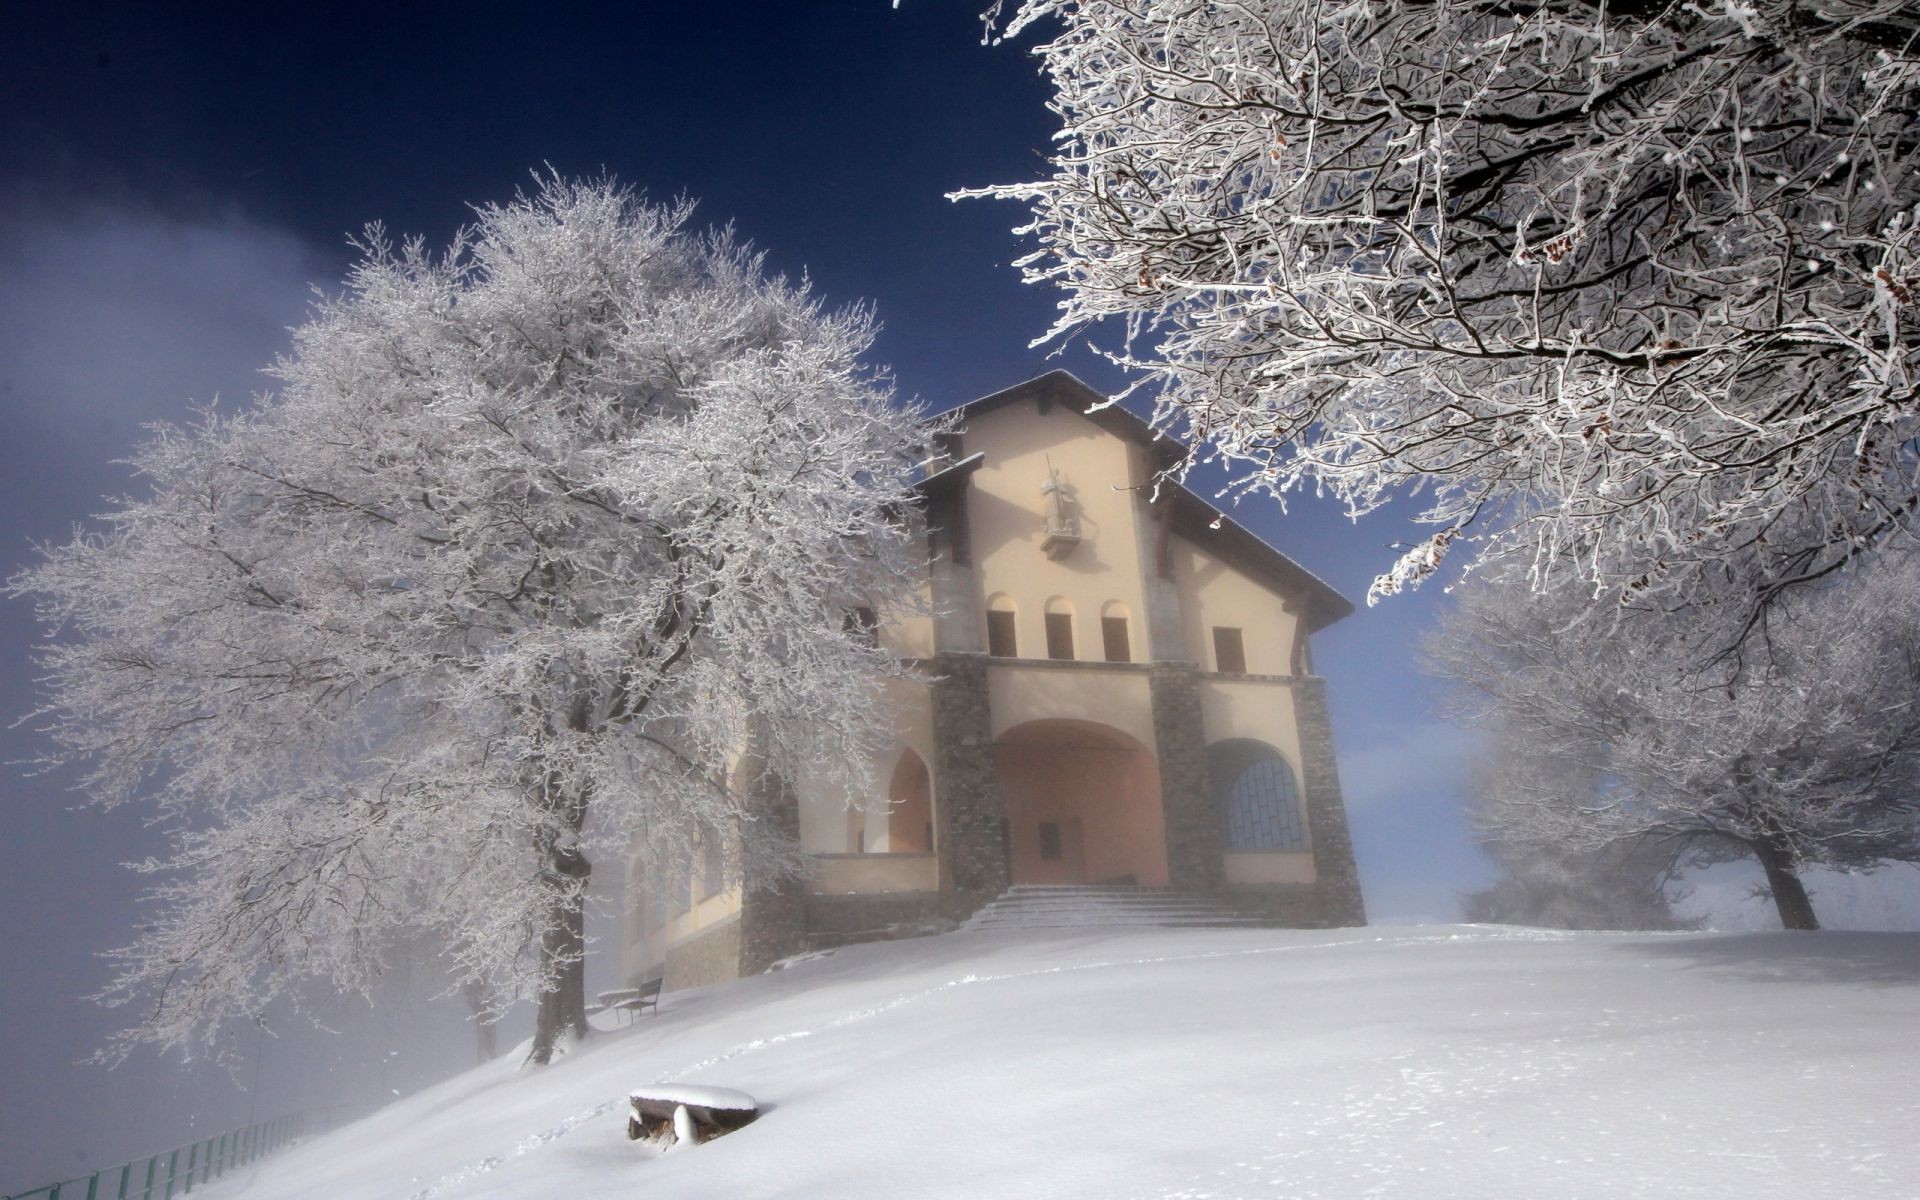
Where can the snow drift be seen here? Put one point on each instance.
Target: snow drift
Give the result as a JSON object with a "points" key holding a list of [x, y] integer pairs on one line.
{"points": [[1420, 1062]]}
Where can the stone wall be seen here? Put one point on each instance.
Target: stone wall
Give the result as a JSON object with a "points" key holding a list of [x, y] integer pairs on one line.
{"points": [[773, 914], [710, 956], [1293, 906], [970, 811], [842, 920], [1338, 883], [1180, 745]]}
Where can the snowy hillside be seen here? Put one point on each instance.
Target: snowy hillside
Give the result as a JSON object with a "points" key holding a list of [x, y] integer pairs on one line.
{"points": [[1420, 1062]]}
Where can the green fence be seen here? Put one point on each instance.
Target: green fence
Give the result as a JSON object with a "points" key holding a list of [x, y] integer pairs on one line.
{"points": [[174, 1172]]}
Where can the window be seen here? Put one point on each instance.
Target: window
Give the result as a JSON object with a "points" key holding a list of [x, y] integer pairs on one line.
{"points": [[1113, 636], [864, 623], [713, 866], [1229, 654], [1049, 841], [1059, 635], [1257, 797], [1001, 642]]}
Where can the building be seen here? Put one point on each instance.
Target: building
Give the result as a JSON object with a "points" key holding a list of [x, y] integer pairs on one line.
{"points": [[1119, 688]]}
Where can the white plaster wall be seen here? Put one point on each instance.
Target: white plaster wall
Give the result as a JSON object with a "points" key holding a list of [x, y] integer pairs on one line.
{"points": [[1211, 593], [1020, 694], [1292, 867], [844, 874], [1251, 708], [1007, 514], [909, 633]]}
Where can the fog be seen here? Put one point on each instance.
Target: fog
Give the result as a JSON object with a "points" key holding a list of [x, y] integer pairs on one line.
{"points": [[111, 318]]}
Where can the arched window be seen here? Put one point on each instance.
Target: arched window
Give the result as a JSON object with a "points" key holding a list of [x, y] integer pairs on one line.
{"points": [[1113, 632], [1059, 628], [1002, 640], [1257, 797]]}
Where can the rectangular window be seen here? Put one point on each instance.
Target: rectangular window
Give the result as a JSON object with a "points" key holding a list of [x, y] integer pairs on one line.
{"points": [[1049, 841], [1000, 639], [1229, 655], [1113, 632], [1059, 635]]}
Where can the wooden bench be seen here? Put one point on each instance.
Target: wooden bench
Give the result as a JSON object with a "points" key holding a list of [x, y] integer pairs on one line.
{"points": [[627, 1003]]}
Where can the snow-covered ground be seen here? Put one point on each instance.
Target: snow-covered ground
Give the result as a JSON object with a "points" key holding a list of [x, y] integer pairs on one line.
{"points": [[1427, 1063]]}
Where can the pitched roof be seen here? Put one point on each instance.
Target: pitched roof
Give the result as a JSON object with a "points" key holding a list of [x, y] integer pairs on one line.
{"points": [[1194, 517]]}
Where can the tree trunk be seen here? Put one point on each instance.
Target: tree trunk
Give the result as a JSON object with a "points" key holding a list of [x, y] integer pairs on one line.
{"points": [[1790, 897], [1776, 852], [563, 1010], [563, 947], [563, 944]]}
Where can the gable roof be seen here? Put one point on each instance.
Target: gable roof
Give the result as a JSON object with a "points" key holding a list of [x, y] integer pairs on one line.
{"points": [[1194, 517]]}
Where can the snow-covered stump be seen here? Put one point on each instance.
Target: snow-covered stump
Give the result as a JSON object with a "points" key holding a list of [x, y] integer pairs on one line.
{"points": [[672, 1113]]}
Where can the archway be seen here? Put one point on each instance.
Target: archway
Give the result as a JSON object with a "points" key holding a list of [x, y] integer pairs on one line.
{"points": [[910, 815], [906, 826], [1082, 805]]}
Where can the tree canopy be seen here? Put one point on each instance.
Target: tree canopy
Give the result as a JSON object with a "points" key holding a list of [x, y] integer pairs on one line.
{"points": [[1626, 287], [540, 544]]}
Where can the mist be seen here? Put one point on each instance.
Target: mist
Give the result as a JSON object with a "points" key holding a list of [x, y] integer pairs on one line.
{"points": [[112, 318]]}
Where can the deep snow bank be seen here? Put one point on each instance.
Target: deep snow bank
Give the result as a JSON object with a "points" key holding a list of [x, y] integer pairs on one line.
{"points": [[1420, 1062]]}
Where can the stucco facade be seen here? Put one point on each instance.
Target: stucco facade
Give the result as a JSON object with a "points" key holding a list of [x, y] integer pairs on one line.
{"points": [[1117, 688]]}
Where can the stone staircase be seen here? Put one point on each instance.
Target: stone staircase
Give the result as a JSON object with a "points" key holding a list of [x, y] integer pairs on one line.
{"points": [[1095, 906]]}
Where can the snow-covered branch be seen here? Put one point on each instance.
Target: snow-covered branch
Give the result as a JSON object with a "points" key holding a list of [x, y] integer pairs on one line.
{"points": [[1631, 284]]}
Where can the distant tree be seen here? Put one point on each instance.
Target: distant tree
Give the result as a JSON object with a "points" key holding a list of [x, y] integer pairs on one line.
{"points": [[1614, 741], [484, 1010], [533, 539], [1623, 885], [1630, 287]]}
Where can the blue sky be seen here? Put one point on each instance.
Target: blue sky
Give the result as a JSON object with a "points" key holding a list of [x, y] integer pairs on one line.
{"points": [[173, 181]]}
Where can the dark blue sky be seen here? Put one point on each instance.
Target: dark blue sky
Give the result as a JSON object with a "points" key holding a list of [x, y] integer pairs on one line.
{"points": [[174, 177]]}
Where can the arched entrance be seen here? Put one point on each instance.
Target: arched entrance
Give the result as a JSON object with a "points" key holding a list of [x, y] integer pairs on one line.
{"points": [[1082, 804], [906, 826], [910, 818]]}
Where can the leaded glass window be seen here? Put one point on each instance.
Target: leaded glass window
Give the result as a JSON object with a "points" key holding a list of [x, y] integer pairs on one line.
{"points": [[1258, 798]]}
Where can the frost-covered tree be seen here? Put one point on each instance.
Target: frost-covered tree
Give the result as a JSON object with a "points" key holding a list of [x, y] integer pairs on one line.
{"points": [[1627, 884], [1635, 285], [540, 544], [1613, 739]]}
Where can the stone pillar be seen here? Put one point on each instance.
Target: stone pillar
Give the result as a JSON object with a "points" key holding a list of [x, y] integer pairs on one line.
{"points": [[773, 912], [1180, 744], [972, 841], [1338, 880]]}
